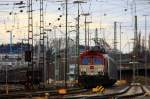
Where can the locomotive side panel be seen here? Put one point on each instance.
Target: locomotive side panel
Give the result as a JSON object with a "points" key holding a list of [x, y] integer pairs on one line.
{"points": [[112, 68]]}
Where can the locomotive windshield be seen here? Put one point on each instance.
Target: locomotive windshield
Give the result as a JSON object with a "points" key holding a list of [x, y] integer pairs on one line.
{"points": [[91, 60], [97, 60], [85, 60]]}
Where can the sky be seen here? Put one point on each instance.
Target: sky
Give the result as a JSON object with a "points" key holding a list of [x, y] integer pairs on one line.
{"points": [[103, 14]]}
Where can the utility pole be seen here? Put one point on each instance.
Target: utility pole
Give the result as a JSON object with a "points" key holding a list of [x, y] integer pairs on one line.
{"points": [[135, 31], [96, 35], [77, 36], [120, 52], [85, 14], [135, 40], [6, 72], [10, 46], [135, 47], [149, 41], [46, 56], [115, 36], [66, 49], [88, 33], [145, 49], [57, 44]]}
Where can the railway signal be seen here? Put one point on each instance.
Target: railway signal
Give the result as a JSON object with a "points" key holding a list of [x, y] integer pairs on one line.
{"points": [[62, 91], [28, 56]]}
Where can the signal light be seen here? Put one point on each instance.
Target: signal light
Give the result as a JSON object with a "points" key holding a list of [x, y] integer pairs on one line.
{"points": [[62, 91], [28, 56]]}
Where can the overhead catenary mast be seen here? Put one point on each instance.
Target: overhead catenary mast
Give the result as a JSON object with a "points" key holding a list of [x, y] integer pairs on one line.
{"points": [[77, 35], [29, 53], [42, 63]]}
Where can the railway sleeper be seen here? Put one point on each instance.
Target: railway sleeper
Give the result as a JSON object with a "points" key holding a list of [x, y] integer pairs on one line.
{"points": [[131, 95]]}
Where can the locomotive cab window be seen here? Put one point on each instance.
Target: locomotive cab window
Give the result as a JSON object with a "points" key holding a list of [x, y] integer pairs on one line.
{"points": [[97, 60], [85, 60]]}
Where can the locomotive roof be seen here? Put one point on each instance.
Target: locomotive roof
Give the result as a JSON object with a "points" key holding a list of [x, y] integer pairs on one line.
{"points": [[89, 52]]}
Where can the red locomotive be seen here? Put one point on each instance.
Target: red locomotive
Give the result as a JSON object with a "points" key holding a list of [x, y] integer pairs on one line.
{"points": [[96, 68]]}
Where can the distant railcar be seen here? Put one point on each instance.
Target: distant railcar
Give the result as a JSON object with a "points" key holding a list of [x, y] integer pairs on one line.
{"points": [[96, 68]]}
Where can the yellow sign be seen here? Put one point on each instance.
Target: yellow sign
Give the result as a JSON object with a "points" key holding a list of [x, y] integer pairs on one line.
{"points": [[98, 89]]}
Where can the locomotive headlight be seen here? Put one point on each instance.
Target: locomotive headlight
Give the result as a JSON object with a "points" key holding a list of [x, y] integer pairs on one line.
{"points": [[83, 73], [100, 72], [83, 69]]}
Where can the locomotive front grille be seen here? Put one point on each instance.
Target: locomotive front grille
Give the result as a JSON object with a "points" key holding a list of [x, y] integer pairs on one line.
{"points": [[91, 69]]}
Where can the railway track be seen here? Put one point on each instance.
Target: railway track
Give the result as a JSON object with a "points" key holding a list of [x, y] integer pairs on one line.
{"points": [[91, 95], [133, 92], [70, 93], [50, 93], [128, 92]]}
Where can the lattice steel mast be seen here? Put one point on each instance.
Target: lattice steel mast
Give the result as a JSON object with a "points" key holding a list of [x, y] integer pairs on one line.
{"points": [[42, 48], [29, 53]]}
